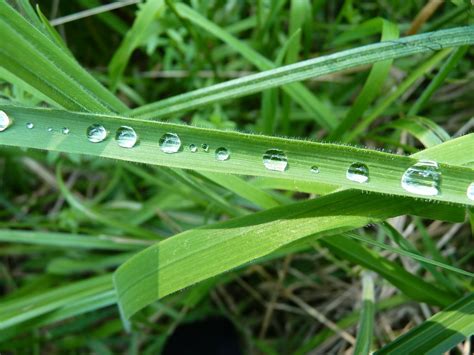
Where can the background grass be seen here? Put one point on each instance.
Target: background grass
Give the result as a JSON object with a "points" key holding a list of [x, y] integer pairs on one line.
{"points": [[294, 265]]}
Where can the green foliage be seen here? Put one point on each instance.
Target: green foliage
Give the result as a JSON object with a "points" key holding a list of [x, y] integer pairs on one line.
{"points": [[97, 240]]}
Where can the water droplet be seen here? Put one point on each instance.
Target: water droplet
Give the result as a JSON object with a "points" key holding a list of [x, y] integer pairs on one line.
{"points": [[96, 133], [50, 129], [205, 147], [170, 143], [315, 169], [222, 154], [126, 137], [66, 130], [358, 172], [193, 148], [275, 159], [470, 191], [5, 121], [30, 125], [423, 178]]}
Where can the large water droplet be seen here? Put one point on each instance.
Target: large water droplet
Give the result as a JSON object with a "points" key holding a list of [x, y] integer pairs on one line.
{"points": [[423, 178], [30, 125], [222, 154], [96, 133], [205, 147], [314, 169], [170, 143], [5, 121], [470, 191], [358, 172], [275, 159], [66, 130], [126, 137], [193, 148]]}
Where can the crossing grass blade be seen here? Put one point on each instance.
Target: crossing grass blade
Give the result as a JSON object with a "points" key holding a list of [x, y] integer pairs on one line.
{"points": [[191, 256], [246, 152], [439, 333], [306, 69]]}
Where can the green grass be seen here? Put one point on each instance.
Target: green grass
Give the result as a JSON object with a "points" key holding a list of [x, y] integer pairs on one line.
{"points": [[111, 249]]}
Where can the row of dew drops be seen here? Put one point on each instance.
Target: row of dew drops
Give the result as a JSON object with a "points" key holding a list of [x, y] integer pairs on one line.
{"points": [[422, 178]]}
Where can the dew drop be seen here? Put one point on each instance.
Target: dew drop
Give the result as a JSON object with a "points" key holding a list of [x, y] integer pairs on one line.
{"points": [[222, 154], [193, 148], [315, 169], [126, 137], [5, 121], [470, 191], [50, 129], [30, 125], [422, 178], [358, 172], [96, 133], [205, 147], [65, 130], [170, 143], [275, 159]]}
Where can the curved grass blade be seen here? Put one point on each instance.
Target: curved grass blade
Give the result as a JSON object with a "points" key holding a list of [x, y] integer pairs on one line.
{"points": [[424, 129], [332, 63], [201, 253], [30, 55], [246, 152], [439, 333]]}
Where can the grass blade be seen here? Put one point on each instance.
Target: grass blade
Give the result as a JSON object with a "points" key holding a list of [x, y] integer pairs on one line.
{"points": [[366, 320], [246, 150], [439, 333]]}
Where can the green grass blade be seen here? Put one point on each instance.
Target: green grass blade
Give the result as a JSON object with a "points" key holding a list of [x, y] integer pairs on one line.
{"points": [[149, 11], [411, 285], [424, 129], [68, 240], [366, 322], [305, 70], [372, 86], [246, 152], [447, 67], [30, 55], [439, 333], [198, 254], [28, 307], [425, 67]]}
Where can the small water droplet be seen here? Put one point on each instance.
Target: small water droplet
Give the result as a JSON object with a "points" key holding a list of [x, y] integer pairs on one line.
{"points": [[30, 125], [275, 159], [96, 133], [193, 148], [66, 130], [126, 137], [423, 178], [5, 121], [222, 153], [470, 191], [170, 143], [358, 172], [205, 147], [50, 129], [315, 169]]}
